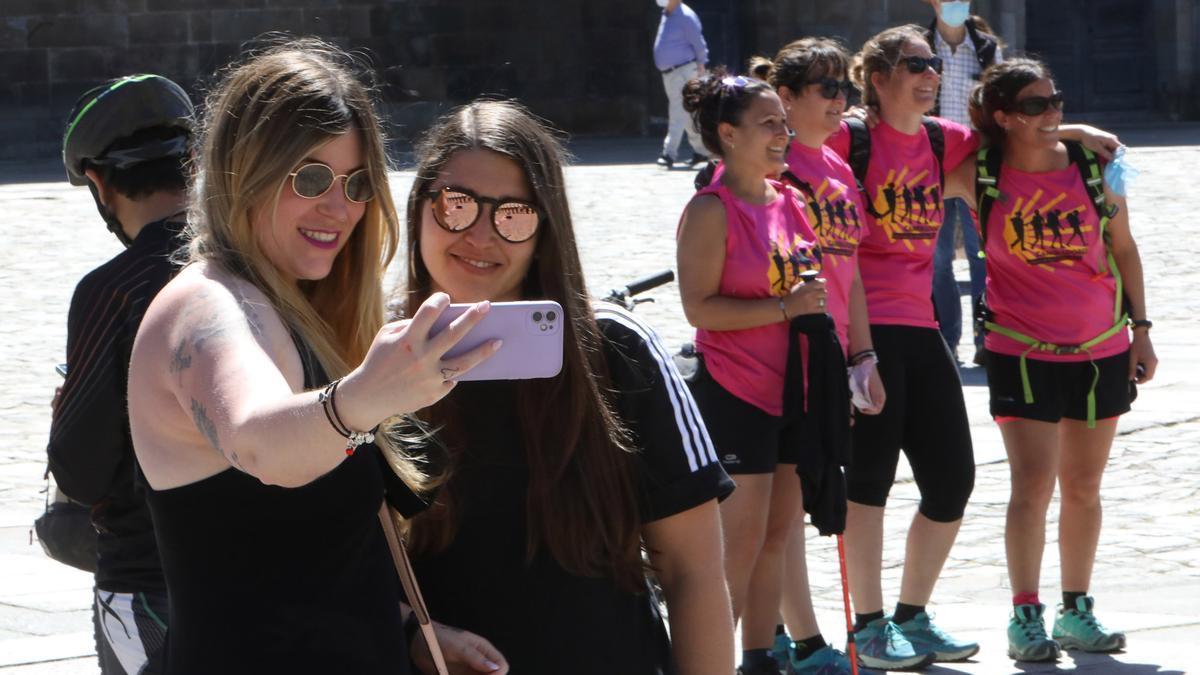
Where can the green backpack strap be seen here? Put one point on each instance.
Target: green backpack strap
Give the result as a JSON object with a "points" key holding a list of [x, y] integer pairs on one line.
{"points": [[987, 190], [1093, 180]]}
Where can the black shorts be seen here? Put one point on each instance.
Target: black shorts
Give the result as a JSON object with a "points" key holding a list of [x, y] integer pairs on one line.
{"points": [[1060, 388], [925, 416], [747, 438]]}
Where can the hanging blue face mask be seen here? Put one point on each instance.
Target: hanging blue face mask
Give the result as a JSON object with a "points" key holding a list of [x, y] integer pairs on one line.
{"points": [[1119, 173], [956, 12]]}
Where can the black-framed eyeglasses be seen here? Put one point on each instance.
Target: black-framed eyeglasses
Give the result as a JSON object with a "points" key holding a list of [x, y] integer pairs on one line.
{"points": [[456, 209], [314, 179], [917, 64], [831, 87], [1036, 105]]}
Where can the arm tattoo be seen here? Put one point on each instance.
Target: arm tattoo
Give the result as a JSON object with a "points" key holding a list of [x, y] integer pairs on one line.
{"points": [[180, 360], [209, 431]]}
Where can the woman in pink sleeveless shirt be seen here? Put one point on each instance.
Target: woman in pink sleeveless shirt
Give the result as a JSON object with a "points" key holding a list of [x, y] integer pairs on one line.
{"points": [[811, 78], [1047, 260], [743, 243]]}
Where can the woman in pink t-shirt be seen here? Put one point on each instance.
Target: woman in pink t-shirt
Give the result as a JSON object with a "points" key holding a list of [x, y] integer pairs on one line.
{"points": [[1047, 259], [743, 243], [925, 415]]}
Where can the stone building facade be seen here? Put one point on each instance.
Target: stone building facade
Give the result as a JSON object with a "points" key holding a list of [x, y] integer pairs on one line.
{"points": [[583, 65]]}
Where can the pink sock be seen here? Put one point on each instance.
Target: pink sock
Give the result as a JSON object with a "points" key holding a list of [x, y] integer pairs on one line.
{"points": [[1026, 598]]}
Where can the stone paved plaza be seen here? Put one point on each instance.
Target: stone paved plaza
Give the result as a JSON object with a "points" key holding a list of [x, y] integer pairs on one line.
{"points": [[1147, 575]]}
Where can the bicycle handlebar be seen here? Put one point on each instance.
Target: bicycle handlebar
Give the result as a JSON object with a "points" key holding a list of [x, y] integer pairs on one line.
{"points": [[648, 282]]}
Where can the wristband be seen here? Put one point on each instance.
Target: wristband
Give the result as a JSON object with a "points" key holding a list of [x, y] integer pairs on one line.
{"points": [[859, 357], [783, 310], [1141, 323]]}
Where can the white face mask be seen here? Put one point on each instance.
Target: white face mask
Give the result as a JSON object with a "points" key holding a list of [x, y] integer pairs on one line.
{"points": [[956, 12], [661, 3]]}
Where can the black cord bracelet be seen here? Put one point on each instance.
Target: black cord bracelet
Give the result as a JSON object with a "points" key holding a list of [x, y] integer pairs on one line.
{"points": [[353, 438]]}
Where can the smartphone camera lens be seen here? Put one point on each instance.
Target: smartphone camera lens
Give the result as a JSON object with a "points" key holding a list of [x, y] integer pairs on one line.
{"points": [[537, 316], [550, 316]]}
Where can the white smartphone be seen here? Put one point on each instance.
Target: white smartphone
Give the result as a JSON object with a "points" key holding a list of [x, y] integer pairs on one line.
{"points": [[532, 332]]}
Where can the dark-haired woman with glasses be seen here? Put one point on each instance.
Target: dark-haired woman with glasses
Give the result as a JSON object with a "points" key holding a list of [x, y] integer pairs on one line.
{"points": [[925, 415], [556, 486], [260, 373], [743, 243], [1058, 245], [811, 78]]}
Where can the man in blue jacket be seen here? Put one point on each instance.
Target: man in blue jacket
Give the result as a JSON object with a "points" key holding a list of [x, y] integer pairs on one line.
{"points": [[679, 54]]}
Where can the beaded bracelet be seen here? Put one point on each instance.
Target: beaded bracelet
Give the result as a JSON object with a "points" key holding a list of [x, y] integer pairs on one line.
{"points": [[783, 310], [353, 438]]}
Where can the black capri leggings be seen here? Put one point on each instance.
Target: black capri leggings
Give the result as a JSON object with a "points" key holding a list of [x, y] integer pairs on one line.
{"points": [[925, 416]]}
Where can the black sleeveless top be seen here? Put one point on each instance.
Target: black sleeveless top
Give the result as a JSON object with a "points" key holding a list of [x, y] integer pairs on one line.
{"points": [[266, 579]]}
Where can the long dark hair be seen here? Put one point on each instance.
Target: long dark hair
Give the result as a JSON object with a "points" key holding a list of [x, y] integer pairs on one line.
{"points": [[998, 89], [581, 501]]}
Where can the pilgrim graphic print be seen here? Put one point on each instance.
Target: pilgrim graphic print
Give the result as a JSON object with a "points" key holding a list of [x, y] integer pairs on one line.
{"points": [[834, 218], [1044, 230], [909, 207], [789, 258]]}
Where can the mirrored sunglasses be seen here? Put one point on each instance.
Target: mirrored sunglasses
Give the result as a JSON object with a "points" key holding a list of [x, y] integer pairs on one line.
{"points": [[831, 87], [313, 180], [456, 209], [1036, 105], [917, 64]]}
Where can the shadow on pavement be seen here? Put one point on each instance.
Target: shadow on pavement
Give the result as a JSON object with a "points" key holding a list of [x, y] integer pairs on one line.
{"points": [[1081, 662]]}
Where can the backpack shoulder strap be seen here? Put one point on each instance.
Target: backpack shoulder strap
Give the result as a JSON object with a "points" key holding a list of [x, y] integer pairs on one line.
{"points": [[1089, 170], [860, 157], [1093, 180], [803, 186], [987, 189], [937, 141], [860, 148], [704, 176]]}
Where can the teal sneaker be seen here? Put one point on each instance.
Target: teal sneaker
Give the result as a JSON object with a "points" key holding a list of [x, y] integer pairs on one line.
{"points": [[824, 661], [1027, 639], [1077, 628], [882, 645], [928, 638], [781, 650]]}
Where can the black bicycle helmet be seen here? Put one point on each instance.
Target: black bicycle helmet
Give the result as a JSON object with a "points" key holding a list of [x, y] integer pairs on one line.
{"points": [[118, 109]]}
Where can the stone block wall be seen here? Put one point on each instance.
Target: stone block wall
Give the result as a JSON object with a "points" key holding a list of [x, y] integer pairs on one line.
{"points": [[584, 66]]}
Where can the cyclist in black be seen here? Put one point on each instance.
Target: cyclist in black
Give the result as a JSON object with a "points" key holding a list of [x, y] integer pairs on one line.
{"points": [[127, 140]]}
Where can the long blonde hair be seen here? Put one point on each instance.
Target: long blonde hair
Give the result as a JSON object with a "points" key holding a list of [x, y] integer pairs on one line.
{"points": [[263, 118]]}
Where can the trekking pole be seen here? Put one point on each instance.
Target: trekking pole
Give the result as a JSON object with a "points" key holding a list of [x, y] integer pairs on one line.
{"points": [[851, 649]]}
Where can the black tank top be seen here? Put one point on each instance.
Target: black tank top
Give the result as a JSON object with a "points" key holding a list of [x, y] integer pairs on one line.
{"points": [[265, 579]]}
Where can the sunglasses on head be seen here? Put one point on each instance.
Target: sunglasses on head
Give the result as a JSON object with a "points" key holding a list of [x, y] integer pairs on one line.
{"points": [[314, 179], [1036, 105], [917, 64], [830, 87], [456, 209]]}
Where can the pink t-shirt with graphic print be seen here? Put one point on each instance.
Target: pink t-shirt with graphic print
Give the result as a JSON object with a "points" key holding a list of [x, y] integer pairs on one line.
{"points": [[836, 212], [766, 248], [896, 257], [1047, 269]]}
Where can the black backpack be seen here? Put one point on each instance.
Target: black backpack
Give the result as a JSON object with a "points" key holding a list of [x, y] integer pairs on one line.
{"points": [[860, 154]]}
